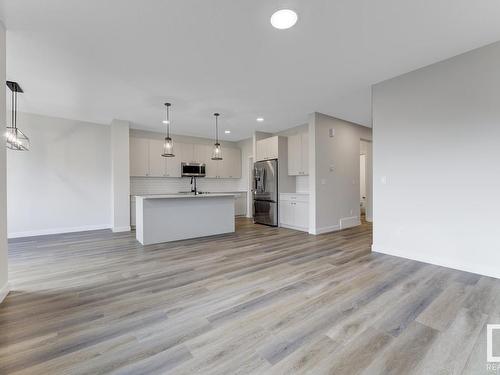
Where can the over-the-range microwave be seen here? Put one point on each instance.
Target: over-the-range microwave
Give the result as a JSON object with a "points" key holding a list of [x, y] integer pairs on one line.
{"points": [[193, 170]]}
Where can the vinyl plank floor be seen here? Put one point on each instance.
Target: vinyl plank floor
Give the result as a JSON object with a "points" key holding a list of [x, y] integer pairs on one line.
{"points": [[261, 300]]}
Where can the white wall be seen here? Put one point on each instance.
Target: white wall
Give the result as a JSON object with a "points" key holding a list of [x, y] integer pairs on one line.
{"points": [[369, 181], [334, 173], [3, 177], [63, 183], [437, 148], [120, 176]]}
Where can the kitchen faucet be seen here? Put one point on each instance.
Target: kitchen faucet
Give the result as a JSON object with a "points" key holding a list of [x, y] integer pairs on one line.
{"points": [[193, 189]]}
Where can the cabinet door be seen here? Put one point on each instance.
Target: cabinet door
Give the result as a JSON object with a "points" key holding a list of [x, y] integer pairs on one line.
{"points": [[260, 150], [294, 155], [157, 163], [202, 153], [272, 148], [286, 213], [173, 165], [213, 168], [305, 153], [139, 157], [301, 214], [186, 152], [240, 208], [231, 164]]}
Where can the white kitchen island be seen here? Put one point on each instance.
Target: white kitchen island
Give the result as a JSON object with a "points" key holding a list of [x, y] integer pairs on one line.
{"points": [[172, 217]]}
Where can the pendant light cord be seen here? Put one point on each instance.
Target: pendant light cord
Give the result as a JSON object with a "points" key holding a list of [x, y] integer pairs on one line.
{"points": [[216, 127], [15, 111]]}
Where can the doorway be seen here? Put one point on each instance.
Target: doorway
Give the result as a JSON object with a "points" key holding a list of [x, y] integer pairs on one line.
{"points": [[365, 180]]}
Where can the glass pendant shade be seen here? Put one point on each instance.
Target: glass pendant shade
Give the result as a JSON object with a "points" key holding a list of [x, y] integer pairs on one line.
{"points": [[168, 144], [15, 139], [217, 150], [168, 148]]}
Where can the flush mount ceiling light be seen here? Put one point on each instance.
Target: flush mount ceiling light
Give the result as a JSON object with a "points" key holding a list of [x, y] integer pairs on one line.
{"points": [[217, 151], [16, 140], [284, 19], [168, 144], [260, 119], [227, 131]]}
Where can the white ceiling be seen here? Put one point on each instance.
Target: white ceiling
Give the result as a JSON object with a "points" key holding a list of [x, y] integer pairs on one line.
{"points": [[96, 60]]}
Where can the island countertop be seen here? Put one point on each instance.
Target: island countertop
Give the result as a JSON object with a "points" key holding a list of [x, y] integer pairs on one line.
{"points": [[181, 196]]}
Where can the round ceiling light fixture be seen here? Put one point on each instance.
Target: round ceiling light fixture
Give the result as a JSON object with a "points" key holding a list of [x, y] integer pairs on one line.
{"points": [[260, 119], [284, 19]]}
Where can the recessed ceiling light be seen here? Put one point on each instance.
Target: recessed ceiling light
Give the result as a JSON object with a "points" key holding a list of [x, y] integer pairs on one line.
{"points": [[227, 131], [284, 19], [260, 119]]}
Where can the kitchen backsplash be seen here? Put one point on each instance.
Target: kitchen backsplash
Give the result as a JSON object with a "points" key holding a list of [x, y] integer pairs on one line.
{"points": [[302, 184], [148, 185]]}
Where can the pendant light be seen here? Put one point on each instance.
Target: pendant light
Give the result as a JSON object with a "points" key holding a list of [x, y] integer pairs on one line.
{"points": [[217, 151], [168, 144], [16, 139]]}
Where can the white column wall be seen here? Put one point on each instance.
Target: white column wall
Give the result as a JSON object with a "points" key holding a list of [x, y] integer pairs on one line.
{"points": [[3, 177], [120, 176]]}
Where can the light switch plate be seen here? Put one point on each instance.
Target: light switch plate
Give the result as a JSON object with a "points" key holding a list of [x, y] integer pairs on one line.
{"points": [[331, 132]]}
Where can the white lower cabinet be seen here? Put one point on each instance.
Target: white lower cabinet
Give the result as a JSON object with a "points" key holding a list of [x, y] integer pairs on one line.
{"points": [[294, 211]]}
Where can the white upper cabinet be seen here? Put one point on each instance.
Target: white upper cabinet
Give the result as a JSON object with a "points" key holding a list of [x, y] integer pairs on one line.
{"points": [[294, 155], [298, 154], [157, 163], [202, 153], [231, 163], [173, 168], [267, 149], [228, 167], [305, 153], [186, 152], [146, 159], [139, 157]]}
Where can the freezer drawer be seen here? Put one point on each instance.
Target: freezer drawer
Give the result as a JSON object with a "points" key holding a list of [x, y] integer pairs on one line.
{"points": [[265, 212]]}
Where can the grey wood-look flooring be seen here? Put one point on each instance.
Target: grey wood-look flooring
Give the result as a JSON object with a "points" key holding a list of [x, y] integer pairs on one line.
{"points": [[259, 301]]}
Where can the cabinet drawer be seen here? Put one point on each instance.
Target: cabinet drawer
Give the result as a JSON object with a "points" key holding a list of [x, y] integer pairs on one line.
{"points": [[287, 197]]}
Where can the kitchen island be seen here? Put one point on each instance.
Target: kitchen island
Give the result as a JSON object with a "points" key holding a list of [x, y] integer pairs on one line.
{"points": [[173, 217]]}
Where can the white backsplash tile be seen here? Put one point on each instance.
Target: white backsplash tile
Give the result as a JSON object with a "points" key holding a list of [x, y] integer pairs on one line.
{"points": [[149, 185], [302, 184]]}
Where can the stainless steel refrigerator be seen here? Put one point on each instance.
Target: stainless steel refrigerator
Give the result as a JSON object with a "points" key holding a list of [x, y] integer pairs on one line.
{"points": [[265, 192]]}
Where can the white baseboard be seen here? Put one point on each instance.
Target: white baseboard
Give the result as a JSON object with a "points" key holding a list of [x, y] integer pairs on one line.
{"points": [[4, 291], [45, 232], [293, 227], [121, 229], [490, 272], [349, 222], [322, 230]]}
